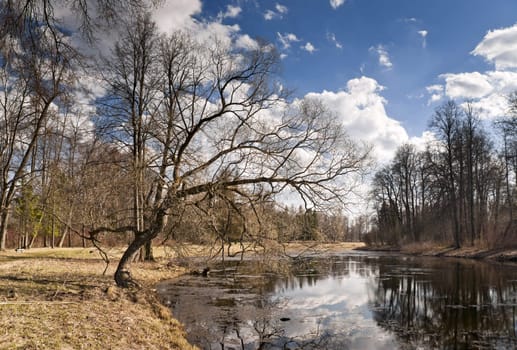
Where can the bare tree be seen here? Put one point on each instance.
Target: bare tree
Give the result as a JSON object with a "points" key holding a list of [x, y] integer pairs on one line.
{"points": [[35, 71], [222, 127], [445, 123], [131, 74]]}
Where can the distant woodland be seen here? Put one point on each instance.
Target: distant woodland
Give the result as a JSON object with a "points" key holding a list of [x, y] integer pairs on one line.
{"points": [[461, 190]]}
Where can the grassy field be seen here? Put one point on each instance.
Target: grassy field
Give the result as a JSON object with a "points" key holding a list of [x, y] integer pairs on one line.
{"points": [[60, 299]]}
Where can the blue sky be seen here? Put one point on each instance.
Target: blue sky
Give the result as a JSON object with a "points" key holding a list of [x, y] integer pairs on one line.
{"points": [[421, 39], [380, 66]]}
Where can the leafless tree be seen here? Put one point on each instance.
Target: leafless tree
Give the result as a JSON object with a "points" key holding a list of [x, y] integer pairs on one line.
{"points": [[222, 126], [35, 71]]}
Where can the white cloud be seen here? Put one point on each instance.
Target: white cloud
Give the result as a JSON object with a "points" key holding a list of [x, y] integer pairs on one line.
{"points": [[492, 106], [281, 8], [423, 34], [286, 39], [231, 12], [467, 85], [437, 93], [272, 14], [384, 57], [499, 47], [336, 3], [246, 42], [486, 91], [437, 88], [269, 15], [175, 14], [282, 56], [421, 142], [309, 47], [361, 110], [332, 38]]}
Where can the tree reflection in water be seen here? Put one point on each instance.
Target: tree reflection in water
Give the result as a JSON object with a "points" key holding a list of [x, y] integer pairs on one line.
{"points": [[350, 302], [448, 305]]}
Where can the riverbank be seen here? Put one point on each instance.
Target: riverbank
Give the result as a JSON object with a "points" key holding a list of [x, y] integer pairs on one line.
{"points": [[428, 249], [60, 299]]}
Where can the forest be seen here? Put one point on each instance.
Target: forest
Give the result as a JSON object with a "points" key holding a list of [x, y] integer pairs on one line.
{"points": [[461, 190]]}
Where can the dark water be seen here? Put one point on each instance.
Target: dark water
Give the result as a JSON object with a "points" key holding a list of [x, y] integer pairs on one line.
{"points": [[357, 301]]}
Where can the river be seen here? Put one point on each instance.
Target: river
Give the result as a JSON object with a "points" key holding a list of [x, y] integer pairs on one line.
{"points": [[355, 301]]}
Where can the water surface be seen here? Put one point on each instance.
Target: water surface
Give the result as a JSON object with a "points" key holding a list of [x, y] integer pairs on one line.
{"points": [[354, 301]]}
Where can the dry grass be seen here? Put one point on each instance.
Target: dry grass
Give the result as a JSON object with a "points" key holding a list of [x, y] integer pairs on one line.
{"points": [[59, 299]]}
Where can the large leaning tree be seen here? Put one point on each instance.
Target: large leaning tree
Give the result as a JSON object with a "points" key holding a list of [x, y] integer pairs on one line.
{"points": [[203, 119], [187, 120]]}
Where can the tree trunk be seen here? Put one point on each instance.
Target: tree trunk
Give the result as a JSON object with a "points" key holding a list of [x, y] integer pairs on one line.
{"points": [[148, 251], [62, 238], [4, 220], [122, 274], [66, 230]]}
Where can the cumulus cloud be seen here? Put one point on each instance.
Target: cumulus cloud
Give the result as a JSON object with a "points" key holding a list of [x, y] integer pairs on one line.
{"points": [[467, 85], [278, 12], [332, 38], [436, 92], [175, 14], [336, 3], [269, 15], [421, 142], [486, 91], [384, 57], [246, 42], [423, 34], [499, 47], [281, 8], [308, 47], [231, 12], [286, 39], [361, 110]]}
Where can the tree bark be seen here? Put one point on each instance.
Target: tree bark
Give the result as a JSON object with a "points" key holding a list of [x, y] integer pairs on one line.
{"points": [[4, 220], [122, 274]]}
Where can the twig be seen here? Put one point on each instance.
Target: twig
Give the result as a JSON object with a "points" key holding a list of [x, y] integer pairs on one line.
{"points": [[36, 302]]}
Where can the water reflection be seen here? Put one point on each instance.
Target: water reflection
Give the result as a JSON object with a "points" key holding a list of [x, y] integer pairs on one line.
{"points": [[350, 302]]}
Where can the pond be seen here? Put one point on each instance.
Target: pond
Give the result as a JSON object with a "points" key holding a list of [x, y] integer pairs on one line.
{"points": [[353, 301]]}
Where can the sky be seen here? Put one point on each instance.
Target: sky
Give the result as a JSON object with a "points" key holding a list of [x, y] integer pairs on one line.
{"points": [[382, 67]]}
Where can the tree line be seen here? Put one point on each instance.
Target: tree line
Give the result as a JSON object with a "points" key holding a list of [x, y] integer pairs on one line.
{"points": [[461, 190], [188, 137]]}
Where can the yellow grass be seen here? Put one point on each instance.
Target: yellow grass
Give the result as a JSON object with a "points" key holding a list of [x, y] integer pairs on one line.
{"points": [[59, 299]]}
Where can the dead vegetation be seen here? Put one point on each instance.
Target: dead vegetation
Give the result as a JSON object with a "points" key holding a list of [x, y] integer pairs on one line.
{"points": [[59, 299]]}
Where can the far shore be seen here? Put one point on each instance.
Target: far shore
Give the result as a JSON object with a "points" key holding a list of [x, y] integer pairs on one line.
{"points": [[429, 249]]}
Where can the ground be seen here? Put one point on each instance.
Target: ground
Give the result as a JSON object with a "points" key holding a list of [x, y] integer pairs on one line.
{"points": [[434, 249], [60, 299]]}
